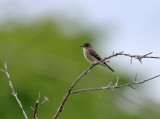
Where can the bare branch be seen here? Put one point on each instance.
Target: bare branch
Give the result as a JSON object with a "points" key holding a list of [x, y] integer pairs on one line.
{"points": [[69, 91], [104, 87], [37, 106], [116, 86], [45, 100], [131, 60], [131, 87], [60, 109], [93, 89], [138, 57], [117, 80], [17, 99], [12, 88], [135, 79], [147, 54]]}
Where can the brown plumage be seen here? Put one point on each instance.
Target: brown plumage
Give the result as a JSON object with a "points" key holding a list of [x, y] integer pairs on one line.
{"points": [[92, 56]]}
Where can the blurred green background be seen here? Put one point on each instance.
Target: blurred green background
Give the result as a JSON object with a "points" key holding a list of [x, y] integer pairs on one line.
{"points": [[42, 41], [42, 58]]}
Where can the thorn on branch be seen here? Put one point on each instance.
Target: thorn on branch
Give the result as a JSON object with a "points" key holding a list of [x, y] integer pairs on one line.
{"points": [[37, 106], [131, 60], [2, 70], [135, 79], [12, 88], [131, 87], [45, 100], [107, 86], [117, 80], [5, 64], [14, 94], [147, 54], [120, 52]]}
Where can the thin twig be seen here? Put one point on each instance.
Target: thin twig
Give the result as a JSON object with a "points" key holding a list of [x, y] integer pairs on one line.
{"points": [[135, 79], [12, 88], [117, 80], [138, 57], [36, 107], [45, 100], [115, 86]]}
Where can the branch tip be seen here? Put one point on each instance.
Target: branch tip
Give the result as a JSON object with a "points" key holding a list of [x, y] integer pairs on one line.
{"points": [[5, 64], [147, 54], [135, 79], [131, 87], [131, 60], [117, 80]]}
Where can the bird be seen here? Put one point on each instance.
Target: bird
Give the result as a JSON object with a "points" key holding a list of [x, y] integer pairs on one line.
{"points": [[92, 56]]}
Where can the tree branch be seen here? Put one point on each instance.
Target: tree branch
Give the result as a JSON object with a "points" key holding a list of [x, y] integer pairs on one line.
{"points": [[37, 106], [69, 91], [116, 86], [12, 88], [138, 57]]}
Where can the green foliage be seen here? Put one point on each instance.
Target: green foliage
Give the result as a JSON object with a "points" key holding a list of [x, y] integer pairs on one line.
{"points": [[42, 58]]}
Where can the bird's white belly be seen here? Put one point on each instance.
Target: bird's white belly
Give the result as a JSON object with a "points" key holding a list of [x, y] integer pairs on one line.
{"points": [[88, 56]]}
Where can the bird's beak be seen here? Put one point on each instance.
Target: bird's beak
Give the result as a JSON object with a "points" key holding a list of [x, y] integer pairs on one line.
{"points": [[81, 46]]}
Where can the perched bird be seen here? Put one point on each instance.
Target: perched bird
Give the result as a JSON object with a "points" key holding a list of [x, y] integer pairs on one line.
{"points": [[92, 56]]}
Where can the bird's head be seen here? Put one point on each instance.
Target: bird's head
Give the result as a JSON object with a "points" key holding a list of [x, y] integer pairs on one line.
{"points": [[86, 45]]}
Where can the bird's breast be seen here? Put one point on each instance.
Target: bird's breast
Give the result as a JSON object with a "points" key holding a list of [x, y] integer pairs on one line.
{"points": [[88, 56]]}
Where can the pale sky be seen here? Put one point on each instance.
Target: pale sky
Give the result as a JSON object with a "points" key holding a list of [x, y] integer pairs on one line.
{"points": [[134, 27]]}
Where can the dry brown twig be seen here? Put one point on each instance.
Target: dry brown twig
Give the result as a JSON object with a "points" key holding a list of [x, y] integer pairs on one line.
{"points": [[138, 57]]}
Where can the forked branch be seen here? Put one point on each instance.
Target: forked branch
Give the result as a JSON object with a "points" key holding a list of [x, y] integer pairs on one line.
{"points": [[116, 86], [69, 92], [13, 91], [138, 57], [16, 97], [37, 105]]}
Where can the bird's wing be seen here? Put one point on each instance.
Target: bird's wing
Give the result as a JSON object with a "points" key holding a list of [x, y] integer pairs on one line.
{"points": [[93, 53]]}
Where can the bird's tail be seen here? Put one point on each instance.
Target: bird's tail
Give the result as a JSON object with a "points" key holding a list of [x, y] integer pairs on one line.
{"points": [[105, 64]]}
